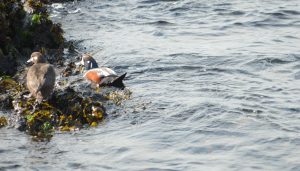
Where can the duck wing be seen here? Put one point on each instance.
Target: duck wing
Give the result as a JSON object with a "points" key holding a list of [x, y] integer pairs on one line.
{"points": [[113, 80], [48, 80]]}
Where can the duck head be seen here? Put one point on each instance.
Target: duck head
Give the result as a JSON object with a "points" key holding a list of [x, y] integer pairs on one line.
{"points": [[36, 57], [89, 62]]}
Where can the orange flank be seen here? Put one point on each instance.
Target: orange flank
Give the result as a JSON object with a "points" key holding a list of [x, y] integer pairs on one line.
{"points": [[93, 77]]}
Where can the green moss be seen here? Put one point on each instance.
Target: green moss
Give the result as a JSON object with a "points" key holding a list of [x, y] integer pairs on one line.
{"points": [[5, 77], [29, 117], [47, 127], [36, 19]]}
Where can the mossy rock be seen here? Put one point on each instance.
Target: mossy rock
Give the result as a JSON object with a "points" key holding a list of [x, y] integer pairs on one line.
{"points": [[65, 110], [24, 28]]}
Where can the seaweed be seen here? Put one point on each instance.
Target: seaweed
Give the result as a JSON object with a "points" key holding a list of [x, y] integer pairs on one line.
{"points": [[35, 4], [3, 121], [66, 110]]}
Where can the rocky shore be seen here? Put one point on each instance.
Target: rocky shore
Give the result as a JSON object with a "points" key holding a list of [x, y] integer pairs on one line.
{"points": [[25, 28]]}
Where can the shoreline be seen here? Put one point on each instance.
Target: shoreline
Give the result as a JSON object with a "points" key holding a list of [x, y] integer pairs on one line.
{"points": [[72, 106]]}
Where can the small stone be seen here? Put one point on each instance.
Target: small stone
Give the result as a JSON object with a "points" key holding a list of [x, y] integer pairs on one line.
{"points": [[50, 60], [60, 63], [79, 57]]}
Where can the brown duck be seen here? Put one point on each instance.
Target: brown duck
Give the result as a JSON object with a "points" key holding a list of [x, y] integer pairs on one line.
{"points": [[40, 77]]}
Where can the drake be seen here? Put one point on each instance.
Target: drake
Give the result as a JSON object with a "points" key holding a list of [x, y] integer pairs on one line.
{"points": [[40, 77], [102, 76], [89, 62]]}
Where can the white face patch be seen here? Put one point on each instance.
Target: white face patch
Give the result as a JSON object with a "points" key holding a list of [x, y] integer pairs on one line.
{"points": [[82, 62], [35, 58], [91, 64], [31, 59]]}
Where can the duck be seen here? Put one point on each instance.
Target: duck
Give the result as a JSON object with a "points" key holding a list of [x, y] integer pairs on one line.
{"points": [[102, 76], [89, 62], [40, 77]]}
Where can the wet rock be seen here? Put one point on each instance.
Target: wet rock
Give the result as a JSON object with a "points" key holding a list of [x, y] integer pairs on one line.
{"points": [[79, 57], [67, 71], [27, 9], [71, 64], [6, 65], [60, 63], [67, 108], [25, 27], [21, 124], [14, 9], [4, 40], [79, 69], [50, 60]]}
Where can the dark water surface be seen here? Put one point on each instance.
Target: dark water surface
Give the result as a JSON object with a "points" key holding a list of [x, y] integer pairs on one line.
{"points": [[219, 79]]}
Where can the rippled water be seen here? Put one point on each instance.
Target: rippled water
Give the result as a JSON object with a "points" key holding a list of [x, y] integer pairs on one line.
{"points": [[219, 81]]}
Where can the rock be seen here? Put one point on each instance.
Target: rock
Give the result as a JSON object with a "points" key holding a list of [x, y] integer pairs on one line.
{"points": [[50, 60], [60, 63], [26, 7], [21, 123], [7, 65], [78, 57]]}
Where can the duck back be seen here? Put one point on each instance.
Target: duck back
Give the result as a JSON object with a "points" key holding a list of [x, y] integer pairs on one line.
{"points": [[41, 80]]}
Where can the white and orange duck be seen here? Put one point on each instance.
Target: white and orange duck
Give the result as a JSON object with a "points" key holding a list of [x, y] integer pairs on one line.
{"points": [[102, 76]]}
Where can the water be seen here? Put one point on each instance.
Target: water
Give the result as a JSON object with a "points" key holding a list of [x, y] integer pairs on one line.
{"points": [[215, 87]]}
